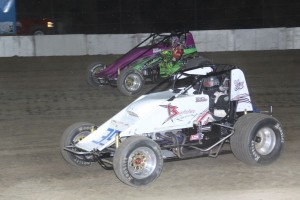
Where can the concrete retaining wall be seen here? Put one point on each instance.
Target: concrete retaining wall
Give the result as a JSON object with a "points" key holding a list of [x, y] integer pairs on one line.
{"points": [[206, 41]]}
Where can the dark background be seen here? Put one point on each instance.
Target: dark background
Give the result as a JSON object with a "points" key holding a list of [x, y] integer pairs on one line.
{"points": [[144, 16]]}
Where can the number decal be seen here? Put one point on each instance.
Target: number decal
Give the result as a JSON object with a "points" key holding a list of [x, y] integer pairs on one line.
{"points": [[105, 138]]}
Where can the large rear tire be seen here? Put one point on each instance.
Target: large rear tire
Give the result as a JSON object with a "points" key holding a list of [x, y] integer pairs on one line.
{"points": [[138, 161], [258, 139], [130, 82], [92, 71], [71, 136]]}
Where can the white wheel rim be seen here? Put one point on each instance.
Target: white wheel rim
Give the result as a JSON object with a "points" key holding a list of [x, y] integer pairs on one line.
{"points": [[265, 141], [133, 82], [141, 162]]}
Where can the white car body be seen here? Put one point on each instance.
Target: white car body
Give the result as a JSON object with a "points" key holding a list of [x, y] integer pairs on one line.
{"points": [[155, 112], [208, 107]]}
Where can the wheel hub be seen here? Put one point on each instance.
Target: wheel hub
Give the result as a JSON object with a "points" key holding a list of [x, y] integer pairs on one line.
{"points": [[257, 139], [142, 162], [132, 82], [265, 141], [139, 161]]}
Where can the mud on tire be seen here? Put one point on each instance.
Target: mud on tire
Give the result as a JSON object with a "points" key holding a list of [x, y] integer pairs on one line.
{"points": [[258, 139], [71, 135], [138, 161]]}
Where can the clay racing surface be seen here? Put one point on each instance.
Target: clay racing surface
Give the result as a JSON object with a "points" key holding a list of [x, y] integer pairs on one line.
{"points": [[41, 97]]}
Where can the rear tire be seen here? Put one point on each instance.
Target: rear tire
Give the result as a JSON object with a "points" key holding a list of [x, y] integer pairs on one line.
{"points": [[258, 139], [92, 71], [130, 82], [138, 161], [71, 136]]}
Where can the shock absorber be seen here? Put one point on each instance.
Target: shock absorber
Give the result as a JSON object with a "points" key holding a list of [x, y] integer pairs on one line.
{"points": [[199, 132]]}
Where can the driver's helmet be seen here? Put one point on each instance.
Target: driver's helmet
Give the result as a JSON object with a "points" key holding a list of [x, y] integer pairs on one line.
{"points": [[177, 53], [211, 81]]}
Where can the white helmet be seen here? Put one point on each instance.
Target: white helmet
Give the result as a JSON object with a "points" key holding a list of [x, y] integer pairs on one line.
{"points": [[211, 82]]}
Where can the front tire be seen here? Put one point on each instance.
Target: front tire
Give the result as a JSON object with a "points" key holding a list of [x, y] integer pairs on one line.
{"points": [[258, 139], [138, 161], [92, 74], [71, 136], [130, 82]]}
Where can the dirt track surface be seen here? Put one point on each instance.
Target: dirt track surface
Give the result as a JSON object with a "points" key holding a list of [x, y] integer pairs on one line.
{"points": [[41, 97]]}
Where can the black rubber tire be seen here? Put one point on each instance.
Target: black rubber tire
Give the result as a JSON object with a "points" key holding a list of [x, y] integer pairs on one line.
{"points": [[130, 82], [80, 130], [258, 139], [92, 70], [129, 150]]}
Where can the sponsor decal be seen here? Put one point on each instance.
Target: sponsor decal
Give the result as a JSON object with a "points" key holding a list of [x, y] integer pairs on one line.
{"points": [[255, 155], [201, 99], [194, 137], [173, 112], [120, 125], [125, 169], [238, 85], [156, 50], [277, 126], [110, 133], [243, 98]]}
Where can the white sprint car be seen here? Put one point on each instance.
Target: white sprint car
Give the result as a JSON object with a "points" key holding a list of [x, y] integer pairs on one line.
{"points": [[204, 108]]}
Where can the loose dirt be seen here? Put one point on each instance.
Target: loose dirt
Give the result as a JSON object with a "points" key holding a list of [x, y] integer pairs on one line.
{"points": [[42, 96]]}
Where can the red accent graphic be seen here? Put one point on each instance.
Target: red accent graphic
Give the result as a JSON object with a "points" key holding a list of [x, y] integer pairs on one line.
{"points": [[172, 111], [202, 116]]}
